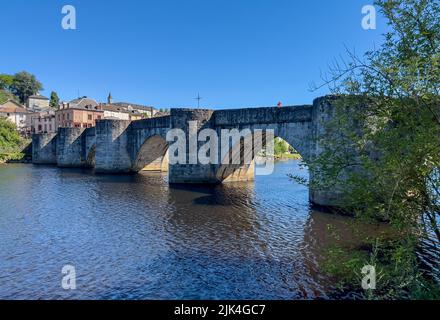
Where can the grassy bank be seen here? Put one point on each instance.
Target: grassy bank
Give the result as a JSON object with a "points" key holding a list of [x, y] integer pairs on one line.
{"points": [[11, 157], [19, 153], [287, 156]]}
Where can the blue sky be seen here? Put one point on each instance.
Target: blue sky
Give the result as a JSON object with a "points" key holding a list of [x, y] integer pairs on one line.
{"points": [[236, 53]]}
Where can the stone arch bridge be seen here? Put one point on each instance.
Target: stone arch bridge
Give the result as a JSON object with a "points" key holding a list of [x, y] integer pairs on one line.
{"points": [[118, 146]]}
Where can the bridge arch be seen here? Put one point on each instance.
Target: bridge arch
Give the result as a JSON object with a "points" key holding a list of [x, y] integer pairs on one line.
{"points": [[152, 155], [244, 170]]}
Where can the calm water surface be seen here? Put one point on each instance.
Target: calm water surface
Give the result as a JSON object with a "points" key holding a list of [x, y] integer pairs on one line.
{"points": [[135, 237]]}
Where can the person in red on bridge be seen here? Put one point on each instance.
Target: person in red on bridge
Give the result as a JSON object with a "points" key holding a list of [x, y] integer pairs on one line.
{"points": [[279, 104]]}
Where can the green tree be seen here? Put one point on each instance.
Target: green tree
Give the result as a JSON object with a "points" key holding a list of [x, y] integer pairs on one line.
{"points": [[54, 100], [394, 97], [6, 81], [24, 85], [280, 147]]}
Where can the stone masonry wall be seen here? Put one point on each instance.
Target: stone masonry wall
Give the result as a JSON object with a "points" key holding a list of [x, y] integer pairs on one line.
{"points": [[111, 147], [69, 147], [191, 173], [44, 148]]}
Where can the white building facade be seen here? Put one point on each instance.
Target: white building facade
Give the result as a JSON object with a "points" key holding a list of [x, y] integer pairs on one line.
{"points": [[15, 113], [37, 103], [112, 111]]}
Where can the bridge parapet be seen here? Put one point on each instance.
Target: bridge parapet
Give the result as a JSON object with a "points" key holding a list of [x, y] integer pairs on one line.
{"points": [[159, 122], [249, 116]]}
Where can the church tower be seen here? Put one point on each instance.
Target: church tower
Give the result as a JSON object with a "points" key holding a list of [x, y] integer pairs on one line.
{"points": [[109, 98]]}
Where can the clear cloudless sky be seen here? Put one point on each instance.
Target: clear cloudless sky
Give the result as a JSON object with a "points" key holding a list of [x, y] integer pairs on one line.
{"points": [[236, 53]]}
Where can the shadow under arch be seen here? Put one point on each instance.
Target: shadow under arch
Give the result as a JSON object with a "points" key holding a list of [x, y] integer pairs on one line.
{"points": [[91, 157], [243, 154], [152, 155]]}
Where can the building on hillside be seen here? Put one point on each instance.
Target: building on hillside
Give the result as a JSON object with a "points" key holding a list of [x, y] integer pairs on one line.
{"points": [[112, 111], [37, 103], [79, 113], [41, 122], [145, 111], [163, 113], [16, 113]]}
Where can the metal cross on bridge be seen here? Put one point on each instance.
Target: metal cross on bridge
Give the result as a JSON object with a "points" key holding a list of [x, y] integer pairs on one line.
{"points": [[198, 100]]}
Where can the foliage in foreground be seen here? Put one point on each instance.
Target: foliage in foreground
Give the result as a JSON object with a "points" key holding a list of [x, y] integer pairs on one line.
{"points": [[388, 115]]}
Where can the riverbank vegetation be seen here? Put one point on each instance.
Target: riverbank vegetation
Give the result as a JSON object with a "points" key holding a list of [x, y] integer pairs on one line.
{"points": [[282, 150], [393, 94], [12, 145]]}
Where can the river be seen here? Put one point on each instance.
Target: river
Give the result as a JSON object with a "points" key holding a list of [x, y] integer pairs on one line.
{"points": [[135, 237]]}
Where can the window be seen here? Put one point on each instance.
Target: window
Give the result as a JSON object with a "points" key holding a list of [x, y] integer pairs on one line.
{"points": [[40, 127], [68, 116], [89, 117], [98, 117]]}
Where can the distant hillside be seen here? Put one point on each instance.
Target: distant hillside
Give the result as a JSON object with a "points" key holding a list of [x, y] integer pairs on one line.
{"points": [[5, 96]]}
